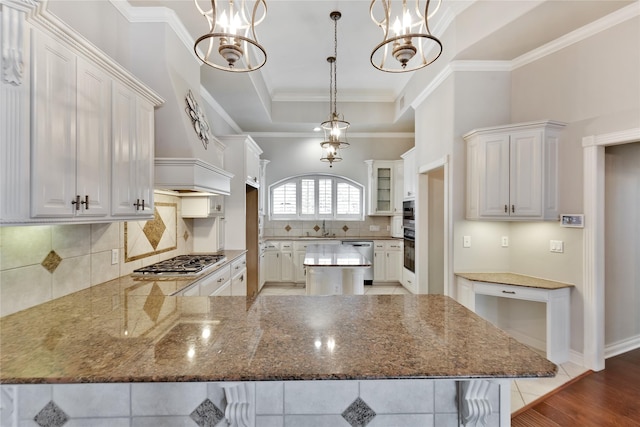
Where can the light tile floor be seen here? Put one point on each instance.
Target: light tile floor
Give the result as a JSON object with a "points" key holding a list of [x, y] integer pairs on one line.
{"points": [[523, 391]]}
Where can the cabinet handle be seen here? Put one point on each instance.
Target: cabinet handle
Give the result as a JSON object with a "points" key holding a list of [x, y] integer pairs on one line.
{"points": [[220, 280], [506, 209], [513, 208], [76, 202], [139, 205], [85, 202], [509, 292]]}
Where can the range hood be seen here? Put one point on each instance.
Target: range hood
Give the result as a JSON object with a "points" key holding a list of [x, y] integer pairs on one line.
{"points": [[188, 174]]}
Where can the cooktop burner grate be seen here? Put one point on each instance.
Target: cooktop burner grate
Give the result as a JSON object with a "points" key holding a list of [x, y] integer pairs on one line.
{"points": [[181, 265]]}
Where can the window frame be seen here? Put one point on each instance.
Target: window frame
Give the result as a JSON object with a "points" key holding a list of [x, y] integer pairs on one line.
{"points": [[335, 179]]}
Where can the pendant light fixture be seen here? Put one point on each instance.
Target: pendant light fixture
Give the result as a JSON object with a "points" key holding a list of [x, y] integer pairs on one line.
{"points": [[335, 129], [408, 44], [231, 43]]}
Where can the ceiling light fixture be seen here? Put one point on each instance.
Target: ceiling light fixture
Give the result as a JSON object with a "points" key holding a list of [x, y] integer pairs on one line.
{"points": [[335, 129], [231, 43], [411, 45]]}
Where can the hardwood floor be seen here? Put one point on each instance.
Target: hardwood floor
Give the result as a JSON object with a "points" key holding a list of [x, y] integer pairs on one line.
{"points": [[607, 398]]}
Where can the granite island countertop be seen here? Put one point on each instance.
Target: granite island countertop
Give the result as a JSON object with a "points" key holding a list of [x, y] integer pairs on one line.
{"points": [[515, 280], [129, 330], [334, 256]]}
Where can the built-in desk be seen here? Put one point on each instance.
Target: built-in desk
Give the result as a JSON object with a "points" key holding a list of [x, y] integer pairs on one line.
{"points": [[335, 270], [556, 295]]}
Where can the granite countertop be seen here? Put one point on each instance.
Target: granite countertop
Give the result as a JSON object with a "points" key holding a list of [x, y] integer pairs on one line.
{"points": [[514, 279], [334, 256], [339, 238], [129, 330]]}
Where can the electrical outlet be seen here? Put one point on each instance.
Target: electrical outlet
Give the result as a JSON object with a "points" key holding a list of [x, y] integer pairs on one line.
{"points": [[115, 256], [556, 246], [374, 228], [466, 241], [505, 241]]}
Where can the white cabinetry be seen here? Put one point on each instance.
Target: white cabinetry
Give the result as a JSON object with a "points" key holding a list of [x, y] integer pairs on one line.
{"points": [[387, 260], [132, 191], [272, 262], [410, 174], [66, 157], [239, 276], [512, 172], [409, 280], [202, 206], [217, 283], [381, 187], [71, 101], [286, 261]]}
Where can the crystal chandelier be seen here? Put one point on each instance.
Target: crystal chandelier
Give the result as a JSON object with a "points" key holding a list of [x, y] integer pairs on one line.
{"points": [[411, 46], [335, 129], [231, 43]]}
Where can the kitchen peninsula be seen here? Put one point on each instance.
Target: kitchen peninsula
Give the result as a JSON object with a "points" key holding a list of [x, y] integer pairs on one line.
{"points": [[335, 270], [108, 352]]}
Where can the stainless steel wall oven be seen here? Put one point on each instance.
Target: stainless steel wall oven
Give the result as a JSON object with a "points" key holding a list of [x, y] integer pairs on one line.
{"points": [[410, 249]]}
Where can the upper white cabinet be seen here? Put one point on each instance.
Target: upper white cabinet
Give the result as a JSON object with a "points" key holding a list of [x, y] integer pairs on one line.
{"points": [[410, 174], [70, 141], [132, 189], [512, 172], [202, 205], [79, 127], [381, 188]]}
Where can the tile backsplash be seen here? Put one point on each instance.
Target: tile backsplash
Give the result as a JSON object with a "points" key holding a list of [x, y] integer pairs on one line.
{"points": [[372, 226], [39, 263]]}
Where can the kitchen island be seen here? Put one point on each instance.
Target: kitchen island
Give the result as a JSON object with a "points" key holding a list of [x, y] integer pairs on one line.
{"points": [[335, 270], [111, 356]]}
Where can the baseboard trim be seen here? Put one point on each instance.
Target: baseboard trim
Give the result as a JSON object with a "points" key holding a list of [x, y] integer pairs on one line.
{"points": [[621, 347]]}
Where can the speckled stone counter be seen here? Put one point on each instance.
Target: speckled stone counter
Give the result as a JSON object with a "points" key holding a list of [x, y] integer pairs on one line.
{"points": [[116, 332], [514, 279]]}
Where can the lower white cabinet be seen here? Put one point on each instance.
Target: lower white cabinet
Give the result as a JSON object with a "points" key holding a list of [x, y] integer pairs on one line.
{"points": [[387, 260], [216, 283], [239, 276], [286, 262], [409, 281], [272, 262]]}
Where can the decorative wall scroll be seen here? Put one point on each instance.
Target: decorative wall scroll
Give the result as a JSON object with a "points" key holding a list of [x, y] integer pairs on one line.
{"points": [[198, 119], [237, 411], [12, 45], [475, 407]]}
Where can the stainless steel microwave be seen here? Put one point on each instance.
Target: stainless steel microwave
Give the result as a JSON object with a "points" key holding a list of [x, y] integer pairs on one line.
{"points": [[409, 214]]}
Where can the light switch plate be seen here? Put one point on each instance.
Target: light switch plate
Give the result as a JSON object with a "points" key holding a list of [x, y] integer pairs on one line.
{"points": [[505, 241], [466, 241], [556, 246], [115, 256]]}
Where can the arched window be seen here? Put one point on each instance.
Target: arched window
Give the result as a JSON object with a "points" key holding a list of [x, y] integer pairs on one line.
{"points": [[317, 196]]}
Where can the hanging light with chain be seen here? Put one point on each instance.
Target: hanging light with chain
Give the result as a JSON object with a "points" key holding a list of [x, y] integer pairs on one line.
{"points": [[335, 129]]}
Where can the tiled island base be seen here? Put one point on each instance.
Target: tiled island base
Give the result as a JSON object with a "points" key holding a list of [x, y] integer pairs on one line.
{"points": [[406, 403]]}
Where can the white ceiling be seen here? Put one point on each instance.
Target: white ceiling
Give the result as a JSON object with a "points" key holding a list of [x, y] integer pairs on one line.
{"points": [[290, 93]]}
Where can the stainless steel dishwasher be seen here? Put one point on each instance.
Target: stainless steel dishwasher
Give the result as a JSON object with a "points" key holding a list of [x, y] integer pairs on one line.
{"points": [[365, 247]]}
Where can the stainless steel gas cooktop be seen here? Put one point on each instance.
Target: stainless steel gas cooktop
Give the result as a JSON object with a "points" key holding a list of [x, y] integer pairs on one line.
{"points": [[182, 265]]}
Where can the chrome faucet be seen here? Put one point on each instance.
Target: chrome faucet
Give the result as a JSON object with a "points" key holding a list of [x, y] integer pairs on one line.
{"points": [[325, 233]]}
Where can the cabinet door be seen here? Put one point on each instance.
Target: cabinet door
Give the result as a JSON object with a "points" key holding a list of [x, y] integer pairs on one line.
{"points": [[393, 265], [123, 156], [493, 156], [300, 271], [379, 266], [272, 266], [144, 155], [286, 274], [252, 166], [93, 146], [526, 174], [409, 175], [239, 284], [53, 139], [383, 178]]}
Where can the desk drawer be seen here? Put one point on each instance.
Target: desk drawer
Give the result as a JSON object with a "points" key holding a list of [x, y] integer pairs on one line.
{"points": [[511, 291]]}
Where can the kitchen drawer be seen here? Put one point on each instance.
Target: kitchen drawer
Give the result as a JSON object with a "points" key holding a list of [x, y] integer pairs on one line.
{"points": [[393, 245], [212, 282], [272, 246], [238, 265], [286, 246], [509, 291], [191, 291], [301, 246], [378, 245]]}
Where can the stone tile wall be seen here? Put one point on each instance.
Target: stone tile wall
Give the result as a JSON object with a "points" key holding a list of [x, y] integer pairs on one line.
{"points": [[381, 228], [406, 403]]}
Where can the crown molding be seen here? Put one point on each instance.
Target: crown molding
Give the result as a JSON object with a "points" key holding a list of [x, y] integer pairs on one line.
{"points": [[156, 15], [589, 30]]}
